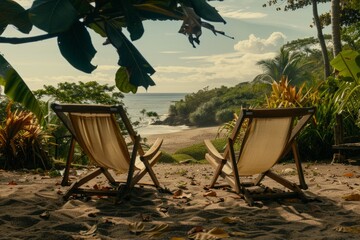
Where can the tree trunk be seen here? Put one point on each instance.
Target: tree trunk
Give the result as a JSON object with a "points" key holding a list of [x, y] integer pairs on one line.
{"points": [[335, 26], [321, 39]]}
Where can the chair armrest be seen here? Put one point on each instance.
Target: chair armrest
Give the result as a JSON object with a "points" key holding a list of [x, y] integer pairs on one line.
{"points": [[153, 149], [213, 151]]}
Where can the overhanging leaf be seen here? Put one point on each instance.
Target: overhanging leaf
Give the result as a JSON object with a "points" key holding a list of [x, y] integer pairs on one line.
{"points": [[122, 81], [134, 23], [17, 90], [137, 67], [82, 6], [157, 10], [13, 13], [76, 47], [53, 16], [206, 11]]}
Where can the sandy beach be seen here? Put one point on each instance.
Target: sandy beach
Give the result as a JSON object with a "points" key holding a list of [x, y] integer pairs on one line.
{"points": [[188, 137], [32, 206]]}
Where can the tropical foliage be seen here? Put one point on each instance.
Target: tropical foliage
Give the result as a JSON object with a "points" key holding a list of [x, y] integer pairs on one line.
{"points": [[284, 94], [286, 63], [70, 21], [80, 92], [216, 106], [23, 144], [16, 89], [347, 65]]}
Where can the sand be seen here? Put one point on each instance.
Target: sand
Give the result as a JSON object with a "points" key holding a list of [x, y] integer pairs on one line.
{"points": [[32, 207], [188, 137]]}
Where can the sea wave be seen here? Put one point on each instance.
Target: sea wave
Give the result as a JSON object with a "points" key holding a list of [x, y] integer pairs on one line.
{"points": [[159, 129]]}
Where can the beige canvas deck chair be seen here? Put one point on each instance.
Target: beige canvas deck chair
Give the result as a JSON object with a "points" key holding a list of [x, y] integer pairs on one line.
{"points": [[95, 129], [269, 134]]}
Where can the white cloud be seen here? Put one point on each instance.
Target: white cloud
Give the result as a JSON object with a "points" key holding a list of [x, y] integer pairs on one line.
{"points": [[222, 69], [171, 52], [257, 45], [228, 12]]}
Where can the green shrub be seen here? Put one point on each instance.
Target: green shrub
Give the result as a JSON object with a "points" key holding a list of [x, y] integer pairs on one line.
{"points": [[167, 158], [205, 114], [224, 115], [23, 144], [182, 157], [198, 151]]}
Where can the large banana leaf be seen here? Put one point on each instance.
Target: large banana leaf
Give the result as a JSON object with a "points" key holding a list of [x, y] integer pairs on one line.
{"points": [[76, 47], [53, 16], [347, 63], [138, 69], [13, 13], [17, 90]]}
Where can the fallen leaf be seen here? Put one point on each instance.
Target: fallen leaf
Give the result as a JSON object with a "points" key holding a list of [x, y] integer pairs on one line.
{"points": [[89, 232], [196, 230], [45, 215], [145, 217], [156, 231], [210, 194], [219, 232], [181, 184], [163, 209], [214, 233], [231, 220], [345, 229], [352, 197], [180, 194], [136, 227], [237, 234], [12, 183], [349, 175]]}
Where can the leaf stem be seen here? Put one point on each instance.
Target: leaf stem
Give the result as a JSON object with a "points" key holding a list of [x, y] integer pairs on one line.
{"points": [[14, 40]]}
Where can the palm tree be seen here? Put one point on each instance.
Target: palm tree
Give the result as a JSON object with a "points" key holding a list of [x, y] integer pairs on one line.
{"points": [[286, 63]]}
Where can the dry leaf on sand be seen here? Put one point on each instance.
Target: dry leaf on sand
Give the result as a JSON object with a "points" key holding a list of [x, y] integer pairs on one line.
{"points": [[231, 220], [352, 197], [210, 194], [214, 233], [348, 229], [136, 227], [180, 194], [89, 232]]}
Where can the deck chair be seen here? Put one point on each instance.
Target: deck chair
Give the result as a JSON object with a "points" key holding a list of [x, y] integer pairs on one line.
{"points": [[268, 135], [95, 129]]}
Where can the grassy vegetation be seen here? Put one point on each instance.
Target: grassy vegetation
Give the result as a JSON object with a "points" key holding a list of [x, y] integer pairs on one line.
{"points": [[192, 154]]}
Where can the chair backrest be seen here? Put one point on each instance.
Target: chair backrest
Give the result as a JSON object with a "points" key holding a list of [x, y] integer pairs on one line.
{"points": [[268, 136], [95, 129]]}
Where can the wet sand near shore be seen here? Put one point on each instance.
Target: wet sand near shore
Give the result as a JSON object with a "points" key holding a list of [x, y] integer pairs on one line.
{"points": [[185, 138]]}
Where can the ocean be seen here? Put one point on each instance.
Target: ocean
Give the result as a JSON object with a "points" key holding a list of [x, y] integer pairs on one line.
{"points": [[152, 102]]}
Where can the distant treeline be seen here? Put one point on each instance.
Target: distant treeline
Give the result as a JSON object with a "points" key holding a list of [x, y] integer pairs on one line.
{"points": [[209, 107]]}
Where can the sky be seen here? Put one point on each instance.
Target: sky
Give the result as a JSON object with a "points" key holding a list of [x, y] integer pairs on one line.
{"points": [[218, 61]]}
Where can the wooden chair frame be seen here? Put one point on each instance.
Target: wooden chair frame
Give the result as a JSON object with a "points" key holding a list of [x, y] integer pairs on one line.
{"points": [[299, 118], [148, 158]]}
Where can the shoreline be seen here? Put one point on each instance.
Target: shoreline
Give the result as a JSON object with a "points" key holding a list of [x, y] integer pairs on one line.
{"points": [[183, 138]]}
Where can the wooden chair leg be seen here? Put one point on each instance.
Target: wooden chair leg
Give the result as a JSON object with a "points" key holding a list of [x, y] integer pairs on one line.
{"points": [[80, 182], [296, 154], [65, 180], [234, 166]]}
